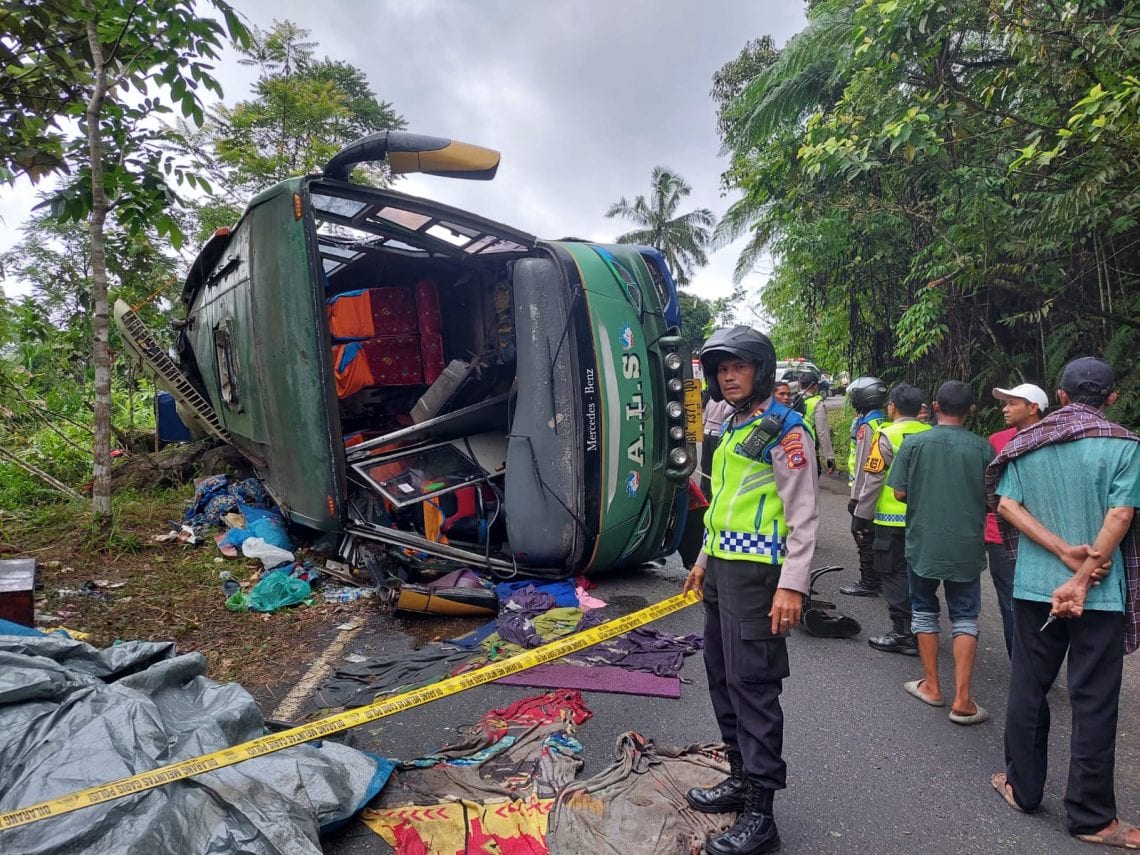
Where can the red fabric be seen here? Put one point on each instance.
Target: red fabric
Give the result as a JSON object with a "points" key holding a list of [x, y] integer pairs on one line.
{"points": [[558, 705], [427, 306], [998, 441], [431, 355], [696, 497], [394, 360], [373, 312], [393, 311]]}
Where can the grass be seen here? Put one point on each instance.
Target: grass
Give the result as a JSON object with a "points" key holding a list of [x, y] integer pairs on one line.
{"points": [[171, 592], [839, 417]]}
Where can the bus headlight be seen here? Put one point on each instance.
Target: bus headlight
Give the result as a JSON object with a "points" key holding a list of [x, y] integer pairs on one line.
{"points": [[678, 458], [676, 386], [674, 409], [676, 433], [673, 361]]}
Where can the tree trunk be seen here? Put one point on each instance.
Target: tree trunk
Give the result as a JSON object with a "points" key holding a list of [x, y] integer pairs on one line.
{"points": [[101, 345]]}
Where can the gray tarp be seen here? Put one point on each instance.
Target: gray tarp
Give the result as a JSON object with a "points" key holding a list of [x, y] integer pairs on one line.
{"points": [[72, 717]]}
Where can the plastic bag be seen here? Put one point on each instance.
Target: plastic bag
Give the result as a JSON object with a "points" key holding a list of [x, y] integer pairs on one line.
{"points": [[278, 590], [267, 553], [238, 602], [270, 527]]}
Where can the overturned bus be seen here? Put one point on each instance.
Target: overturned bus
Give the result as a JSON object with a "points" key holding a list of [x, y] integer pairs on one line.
{"points": [[418, 376]]}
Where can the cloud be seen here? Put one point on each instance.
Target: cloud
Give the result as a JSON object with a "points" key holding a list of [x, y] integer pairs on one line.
{"points": [[582, 98]]}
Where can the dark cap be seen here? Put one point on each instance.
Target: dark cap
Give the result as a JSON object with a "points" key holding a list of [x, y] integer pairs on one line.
{"points": [[1087, 375]]}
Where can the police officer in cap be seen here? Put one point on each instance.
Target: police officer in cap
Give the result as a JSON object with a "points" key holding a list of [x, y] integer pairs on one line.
{"points": [[753, 573]]}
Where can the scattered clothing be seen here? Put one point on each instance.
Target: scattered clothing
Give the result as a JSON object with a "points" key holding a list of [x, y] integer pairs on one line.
{"points": [[358, 684], [643, 649], [562, 592], [215, 496], [596, 678], [495, 788], [637, 806], [523, 633]]}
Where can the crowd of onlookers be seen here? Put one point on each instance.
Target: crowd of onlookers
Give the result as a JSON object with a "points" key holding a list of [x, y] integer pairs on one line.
{"points": [[1047, 505]]}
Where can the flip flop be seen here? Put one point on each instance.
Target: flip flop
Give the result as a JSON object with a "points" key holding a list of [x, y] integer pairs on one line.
{"points": [[975, 718], [1000, 784], [912, 689], [1118, 837]]}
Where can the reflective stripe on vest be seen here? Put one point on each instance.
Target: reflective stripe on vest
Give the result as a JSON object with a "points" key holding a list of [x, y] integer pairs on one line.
{"points": [[745, 518], [889, 511]]}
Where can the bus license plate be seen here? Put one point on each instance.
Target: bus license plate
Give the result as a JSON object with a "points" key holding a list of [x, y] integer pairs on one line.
{"points": [[693, 414]]}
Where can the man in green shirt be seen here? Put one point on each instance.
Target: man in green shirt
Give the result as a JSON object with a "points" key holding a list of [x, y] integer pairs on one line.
{"points": [[941, 475]]}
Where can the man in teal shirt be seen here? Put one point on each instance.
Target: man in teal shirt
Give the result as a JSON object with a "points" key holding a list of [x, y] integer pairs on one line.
{"points": [[941, 475], [1070, 485]]}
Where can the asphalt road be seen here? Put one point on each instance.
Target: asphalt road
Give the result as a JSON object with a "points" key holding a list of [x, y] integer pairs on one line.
{"points": [[870, 769]]}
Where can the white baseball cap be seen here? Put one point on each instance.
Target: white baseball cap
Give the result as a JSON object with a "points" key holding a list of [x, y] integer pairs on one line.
{"points": [[1027, 392]]}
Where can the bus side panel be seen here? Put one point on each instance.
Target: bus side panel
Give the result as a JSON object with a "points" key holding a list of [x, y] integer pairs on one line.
{"points": [[305, 452], [258, 336]]}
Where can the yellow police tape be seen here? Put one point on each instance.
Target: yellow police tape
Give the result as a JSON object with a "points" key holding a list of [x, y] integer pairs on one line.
{"points": [[342, 721]]}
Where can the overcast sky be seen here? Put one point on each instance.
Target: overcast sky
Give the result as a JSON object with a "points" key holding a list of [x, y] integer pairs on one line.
{"points": [[582, 97]]}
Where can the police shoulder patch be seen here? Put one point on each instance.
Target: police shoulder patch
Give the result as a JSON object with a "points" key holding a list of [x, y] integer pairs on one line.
{"points": [[875, 462], [793, 446], [862, 432]]}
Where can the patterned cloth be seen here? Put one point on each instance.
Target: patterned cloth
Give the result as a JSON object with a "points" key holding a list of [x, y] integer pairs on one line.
{"points": [[215, 496], [1068, 424]]}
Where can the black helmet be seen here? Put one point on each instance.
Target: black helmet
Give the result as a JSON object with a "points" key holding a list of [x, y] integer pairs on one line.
{"points": [[867, 393], [809, 377], [746, 344]]}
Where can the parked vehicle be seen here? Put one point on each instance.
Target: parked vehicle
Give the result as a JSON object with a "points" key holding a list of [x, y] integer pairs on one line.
{"points": [[789, 370], [422, 377]]}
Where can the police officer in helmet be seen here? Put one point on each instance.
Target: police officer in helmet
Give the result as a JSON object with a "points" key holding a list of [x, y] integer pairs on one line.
{"points": [[753, 573]]}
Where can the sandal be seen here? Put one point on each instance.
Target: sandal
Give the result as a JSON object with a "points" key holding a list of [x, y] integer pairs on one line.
{"points": [[970, 718], [1000, 783], [1118, 837], [912, 689]]}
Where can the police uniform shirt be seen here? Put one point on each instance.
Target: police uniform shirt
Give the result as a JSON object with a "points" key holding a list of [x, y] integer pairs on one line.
{"points": [[875, 473], [794, 466], [823, 431]]}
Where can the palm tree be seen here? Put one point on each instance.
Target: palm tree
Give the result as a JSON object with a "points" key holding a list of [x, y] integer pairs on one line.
{"points": [[683, 238]]}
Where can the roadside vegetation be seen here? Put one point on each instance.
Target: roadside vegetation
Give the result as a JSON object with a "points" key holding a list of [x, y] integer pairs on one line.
{"points": [[125, 586], [943, 189]]}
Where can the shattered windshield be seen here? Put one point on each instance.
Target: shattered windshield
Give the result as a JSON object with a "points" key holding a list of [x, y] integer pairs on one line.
{"points": [[347, 228]]}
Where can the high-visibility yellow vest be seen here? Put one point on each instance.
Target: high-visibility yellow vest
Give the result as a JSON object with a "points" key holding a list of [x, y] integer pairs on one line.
{"points": [[874, 420], [889, 511], [745, 519], [809, 413]]}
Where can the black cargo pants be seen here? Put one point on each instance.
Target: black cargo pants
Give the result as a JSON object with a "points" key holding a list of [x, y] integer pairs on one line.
{"points": [[890, 564], [746, 664]]}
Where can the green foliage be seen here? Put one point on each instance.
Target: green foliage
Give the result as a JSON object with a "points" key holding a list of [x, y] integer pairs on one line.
{"points": [[682, 238], [949, 188], [303, 111], [159, 58]]}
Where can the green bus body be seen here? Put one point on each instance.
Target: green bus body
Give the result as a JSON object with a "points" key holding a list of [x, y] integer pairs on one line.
{"points": [[256, 342]]}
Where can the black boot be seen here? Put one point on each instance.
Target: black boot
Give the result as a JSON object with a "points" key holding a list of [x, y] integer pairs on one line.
{"points": [[898, 640], [860, 589], [755, 828], [725, 797]]}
